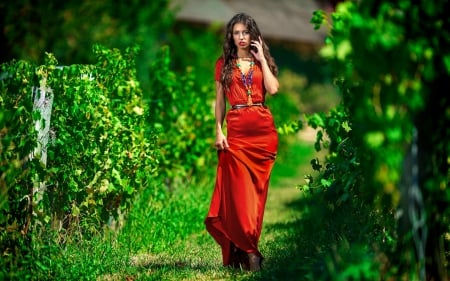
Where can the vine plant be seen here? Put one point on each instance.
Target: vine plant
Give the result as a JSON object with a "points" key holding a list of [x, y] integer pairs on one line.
{"points": [[100, 153], [183, 117], [388, 142]]}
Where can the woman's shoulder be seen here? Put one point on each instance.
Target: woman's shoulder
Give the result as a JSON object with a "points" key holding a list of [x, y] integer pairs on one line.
{"points": [[220, 60], [219, 66]]}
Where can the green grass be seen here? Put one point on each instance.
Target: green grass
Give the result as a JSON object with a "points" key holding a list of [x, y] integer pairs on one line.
{"points": [[164, 237], [292, 164]]}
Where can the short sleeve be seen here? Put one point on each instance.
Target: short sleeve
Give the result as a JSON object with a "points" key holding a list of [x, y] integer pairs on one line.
{"points": [[218, 72]]}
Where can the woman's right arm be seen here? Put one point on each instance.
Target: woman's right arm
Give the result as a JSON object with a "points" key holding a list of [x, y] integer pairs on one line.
{"points": [[219, 109]]}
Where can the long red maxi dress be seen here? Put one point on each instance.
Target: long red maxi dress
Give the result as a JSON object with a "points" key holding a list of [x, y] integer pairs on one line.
{"points": [[237, 207]]}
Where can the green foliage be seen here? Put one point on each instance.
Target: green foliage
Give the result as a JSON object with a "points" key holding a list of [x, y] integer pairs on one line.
{"points": [[100, 153], [197, 47], [17, 141], [389, 64], [183, 115], [68, 29], [351, 227], [341, 167]]}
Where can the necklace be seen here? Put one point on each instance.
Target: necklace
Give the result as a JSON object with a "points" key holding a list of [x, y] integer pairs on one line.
{"points": [[247, 80], [245, 58]]}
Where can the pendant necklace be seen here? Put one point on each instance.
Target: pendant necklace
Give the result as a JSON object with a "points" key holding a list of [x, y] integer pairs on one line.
{"points": [[247, 80]]}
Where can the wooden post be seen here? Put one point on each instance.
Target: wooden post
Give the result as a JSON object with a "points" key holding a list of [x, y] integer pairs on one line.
{"points": [[42, 102]]}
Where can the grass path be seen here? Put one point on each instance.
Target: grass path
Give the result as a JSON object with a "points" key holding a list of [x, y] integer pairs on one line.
{"points": [[199, 257]]}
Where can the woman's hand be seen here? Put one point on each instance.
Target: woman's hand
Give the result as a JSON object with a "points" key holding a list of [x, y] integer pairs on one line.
{"points": [[270, 80], [259, 53], [221, 142]]}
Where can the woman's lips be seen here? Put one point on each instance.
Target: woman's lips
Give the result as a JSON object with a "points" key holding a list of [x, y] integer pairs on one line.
{"points": [[241, 43]]}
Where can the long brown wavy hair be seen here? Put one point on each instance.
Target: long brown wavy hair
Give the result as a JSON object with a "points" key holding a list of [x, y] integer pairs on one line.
{"points": [[230, 50]]}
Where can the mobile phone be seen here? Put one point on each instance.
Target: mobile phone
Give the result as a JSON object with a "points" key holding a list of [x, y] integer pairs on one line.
{"points": [[254, 49]]}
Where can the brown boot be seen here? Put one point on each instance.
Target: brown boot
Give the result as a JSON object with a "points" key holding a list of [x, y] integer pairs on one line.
{"points": [[239, 259], [255, 262]]}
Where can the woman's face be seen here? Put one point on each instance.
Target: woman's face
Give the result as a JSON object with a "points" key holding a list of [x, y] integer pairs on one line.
{"points": [[241, 36]]}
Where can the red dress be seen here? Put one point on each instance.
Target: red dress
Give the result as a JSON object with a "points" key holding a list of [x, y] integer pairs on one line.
{"points": [[237, 207]]}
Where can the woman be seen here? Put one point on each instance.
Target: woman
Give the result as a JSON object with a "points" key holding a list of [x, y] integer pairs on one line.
{"points": [[244, 74]]}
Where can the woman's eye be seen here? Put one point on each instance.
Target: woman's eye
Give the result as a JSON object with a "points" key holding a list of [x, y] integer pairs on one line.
{"points": [[244, 33]]}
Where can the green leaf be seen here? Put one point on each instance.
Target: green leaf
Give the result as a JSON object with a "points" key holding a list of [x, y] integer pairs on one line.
{"points": [[374, 139], [325, 182]]}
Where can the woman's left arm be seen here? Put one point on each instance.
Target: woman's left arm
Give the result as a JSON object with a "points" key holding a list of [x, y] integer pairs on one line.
{"points": [[270, 81]]}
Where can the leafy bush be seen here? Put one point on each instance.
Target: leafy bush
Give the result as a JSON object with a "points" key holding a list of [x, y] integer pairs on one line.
{"points": [[183, 115], [99, 155], [102, 152], [387, 142]]}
